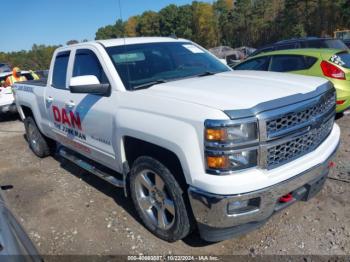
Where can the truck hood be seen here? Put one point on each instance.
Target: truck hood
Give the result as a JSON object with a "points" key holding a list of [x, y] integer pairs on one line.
{"points": [[236, 89]]}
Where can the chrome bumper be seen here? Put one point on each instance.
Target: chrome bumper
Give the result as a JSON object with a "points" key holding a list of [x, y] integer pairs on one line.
{"points": [[211, 210]]}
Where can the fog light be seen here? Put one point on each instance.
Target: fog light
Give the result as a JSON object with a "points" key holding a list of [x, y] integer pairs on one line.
{"points": [[233, 206], [243, 206]]}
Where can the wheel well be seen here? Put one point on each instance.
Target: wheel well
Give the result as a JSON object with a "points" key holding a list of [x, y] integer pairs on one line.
{"points": [[135, 148], [27, 111]]}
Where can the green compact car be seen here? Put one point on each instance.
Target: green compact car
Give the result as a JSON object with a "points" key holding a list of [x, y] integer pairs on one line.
{"points": [[332, 64]]}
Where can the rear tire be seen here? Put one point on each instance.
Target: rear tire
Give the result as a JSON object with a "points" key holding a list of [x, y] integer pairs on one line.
{"points": [[38, 143], [158, 200]]}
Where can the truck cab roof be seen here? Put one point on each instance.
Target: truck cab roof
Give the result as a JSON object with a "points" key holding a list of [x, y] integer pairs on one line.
{"points": [[129, 41]]}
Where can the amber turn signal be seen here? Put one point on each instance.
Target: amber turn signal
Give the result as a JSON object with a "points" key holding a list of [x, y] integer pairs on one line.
{"points": [[215, 134], [218, 162]]}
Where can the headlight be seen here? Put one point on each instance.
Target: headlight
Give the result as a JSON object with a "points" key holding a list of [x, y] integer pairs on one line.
{"points": [[237, 133], [243, 159], [231, 146]]}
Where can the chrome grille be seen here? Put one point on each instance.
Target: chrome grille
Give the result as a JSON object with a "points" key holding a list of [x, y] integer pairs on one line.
{"points": [[290, 132], [293, 119], [288, 151]]}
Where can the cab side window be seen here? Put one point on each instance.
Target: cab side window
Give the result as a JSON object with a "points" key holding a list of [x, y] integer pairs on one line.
{"points": [[60, 70], [260, 64], [87, 63]]}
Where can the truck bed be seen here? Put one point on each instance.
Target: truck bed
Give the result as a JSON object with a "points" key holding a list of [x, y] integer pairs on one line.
{"points": [[40, 82]]}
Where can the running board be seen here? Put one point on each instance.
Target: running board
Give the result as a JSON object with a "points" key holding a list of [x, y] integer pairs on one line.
{"points": [[90, 168]]}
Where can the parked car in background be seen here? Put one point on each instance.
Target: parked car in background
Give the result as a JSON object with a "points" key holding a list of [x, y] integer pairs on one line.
{"points": [[343, 35], [7, 100], [29, 75], [329, 63], [15, 245], [4, 68], [42, 73], [347, 42], [231, 56], [307, 42]]}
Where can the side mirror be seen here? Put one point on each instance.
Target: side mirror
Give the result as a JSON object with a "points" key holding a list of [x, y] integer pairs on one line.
{"points": [[88, 84]]}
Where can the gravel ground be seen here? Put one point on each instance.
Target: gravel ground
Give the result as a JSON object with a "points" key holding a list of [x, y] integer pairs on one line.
{"points": [[65, 210]]}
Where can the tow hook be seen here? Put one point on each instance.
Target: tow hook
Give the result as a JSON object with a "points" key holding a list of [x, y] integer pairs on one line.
{"points": [[331, 164], [286, 198]]}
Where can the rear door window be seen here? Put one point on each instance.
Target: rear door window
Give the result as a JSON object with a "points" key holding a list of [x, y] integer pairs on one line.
{"points": [[341, 59], [259, 64], [59, 76], [87, 63], [286, 63]]}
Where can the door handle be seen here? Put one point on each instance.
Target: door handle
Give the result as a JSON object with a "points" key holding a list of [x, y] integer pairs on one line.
{"points": [[70, 104], [49, 99]]}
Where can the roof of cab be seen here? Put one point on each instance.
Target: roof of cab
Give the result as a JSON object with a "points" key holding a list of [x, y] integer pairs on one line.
{"points": [[138, 40], [123, 41]]}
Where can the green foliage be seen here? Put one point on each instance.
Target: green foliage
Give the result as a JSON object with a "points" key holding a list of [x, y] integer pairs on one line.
{"points": [[184, 27], [205, 26], [39, 57], [148, 24], [111, 31], [168, 19], [131, 26], [224, 22], [72, 42], [240, 22]]}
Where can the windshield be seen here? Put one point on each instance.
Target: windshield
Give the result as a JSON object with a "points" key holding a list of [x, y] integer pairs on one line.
{"points": [[140, 64]]}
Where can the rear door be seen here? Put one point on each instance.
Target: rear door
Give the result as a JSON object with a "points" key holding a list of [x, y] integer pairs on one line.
{"points": [[56, 87], [83, 122]]}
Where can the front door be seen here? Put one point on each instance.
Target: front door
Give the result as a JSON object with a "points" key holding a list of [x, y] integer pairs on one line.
{"points": [[83, 122]]}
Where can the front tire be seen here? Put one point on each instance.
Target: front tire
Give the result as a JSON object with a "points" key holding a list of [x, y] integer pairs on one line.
{"points": [[158, 200], [37, 142]]}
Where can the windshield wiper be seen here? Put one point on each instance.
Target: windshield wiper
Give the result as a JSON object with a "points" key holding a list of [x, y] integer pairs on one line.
{"points": [[149, 84], [206, 73]]}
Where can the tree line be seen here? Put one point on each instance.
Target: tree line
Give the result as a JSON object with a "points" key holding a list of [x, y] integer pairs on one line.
{"points": [[237, 22], [37, 58], [224, 22]]}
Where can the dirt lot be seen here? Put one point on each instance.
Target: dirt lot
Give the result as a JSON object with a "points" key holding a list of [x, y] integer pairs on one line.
{"points": [[67, 211]]}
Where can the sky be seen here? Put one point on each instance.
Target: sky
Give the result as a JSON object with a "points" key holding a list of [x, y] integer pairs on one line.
{"points": [[53, 22]]}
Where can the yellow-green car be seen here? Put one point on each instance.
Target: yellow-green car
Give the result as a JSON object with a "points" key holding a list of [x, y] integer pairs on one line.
{"points": [[333, 64]]}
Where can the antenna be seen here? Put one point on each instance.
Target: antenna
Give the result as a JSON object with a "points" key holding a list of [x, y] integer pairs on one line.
{"points": [[121, 17], [127, 63]]}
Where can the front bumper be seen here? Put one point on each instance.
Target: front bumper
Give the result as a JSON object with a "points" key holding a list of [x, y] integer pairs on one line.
{"points": [[216, 222]]}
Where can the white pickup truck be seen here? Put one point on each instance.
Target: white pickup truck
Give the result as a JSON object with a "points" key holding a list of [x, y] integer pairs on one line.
{"points": [[193, 143]]}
